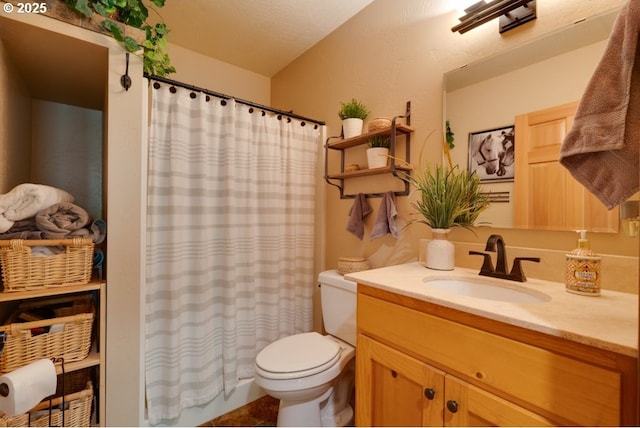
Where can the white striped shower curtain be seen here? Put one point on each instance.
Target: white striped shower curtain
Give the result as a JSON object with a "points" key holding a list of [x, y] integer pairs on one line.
{"points": [[230, 242]]}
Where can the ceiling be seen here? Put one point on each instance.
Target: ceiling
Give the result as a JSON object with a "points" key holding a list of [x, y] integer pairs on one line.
{"points": [[263, 36]]}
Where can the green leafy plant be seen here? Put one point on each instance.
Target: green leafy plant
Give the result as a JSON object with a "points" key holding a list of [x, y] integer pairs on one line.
{"points": [[380, 141], [133, 13], [448, 198], [449, 135], [353, 109]]}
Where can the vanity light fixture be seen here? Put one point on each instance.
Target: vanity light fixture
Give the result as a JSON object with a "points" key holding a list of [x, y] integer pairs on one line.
{"points": [[512, 13]]}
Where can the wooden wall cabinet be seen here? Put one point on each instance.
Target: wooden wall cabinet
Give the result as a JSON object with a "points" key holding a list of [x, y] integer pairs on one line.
{"points": [[420, 364]]}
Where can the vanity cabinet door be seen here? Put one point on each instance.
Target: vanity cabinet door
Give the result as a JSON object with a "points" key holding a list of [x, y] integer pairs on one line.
{"points": [[394, 389], [467, 405]]}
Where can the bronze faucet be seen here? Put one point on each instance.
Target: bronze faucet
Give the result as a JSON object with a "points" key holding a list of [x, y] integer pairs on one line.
{"points": [[495, 243]]}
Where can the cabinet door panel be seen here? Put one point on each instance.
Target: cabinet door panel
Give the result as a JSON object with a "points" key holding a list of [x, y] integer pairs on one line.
{"points": [[476, 407], [390, 388], [546, 195]]}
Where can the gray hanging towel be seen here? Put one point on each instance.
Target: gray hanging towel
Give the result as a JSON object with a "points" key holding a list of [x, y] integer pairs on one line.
{"points": [[387, 218], [602, 148], [359, 210]]}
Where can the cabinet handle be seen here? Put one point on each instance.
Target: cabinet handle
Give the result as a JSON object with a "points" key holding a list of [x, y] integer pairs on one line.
{"points": [[430, 393], [452, 405], [394, 373]]}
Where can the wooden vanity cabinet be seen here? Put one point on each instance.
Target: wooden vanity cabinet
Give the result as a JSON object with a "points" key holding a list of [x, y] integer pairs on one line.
{"points": [[420, 364]]}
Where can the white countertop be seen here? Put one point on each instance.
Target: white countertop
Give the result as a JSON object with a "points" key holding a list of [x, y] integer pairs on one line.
{"points": [[609, 321]]}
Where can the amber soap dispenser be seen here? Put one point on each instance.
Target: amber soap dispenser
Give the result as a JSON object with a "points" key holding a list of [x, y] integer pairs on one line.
{"points": [[583, 269]]}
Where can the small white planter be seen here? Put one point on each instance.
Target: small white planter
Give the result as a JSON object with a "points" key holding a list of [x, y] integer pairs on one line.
{"points": [[352, 127], [440, 252], [377, 157]]}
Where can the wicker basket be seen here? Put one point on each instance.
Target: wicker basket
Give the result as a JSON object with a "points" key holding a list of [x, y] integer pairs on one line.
{"points": [[21, 270], [352, 264], [74, 381], [77, 412], [379, 123], [72, 342]]}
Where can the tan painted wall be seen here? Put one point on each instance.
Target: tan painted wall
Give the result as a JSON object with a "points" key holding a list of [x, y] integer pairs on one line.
{"points": [[209, 73], [398, 50]]}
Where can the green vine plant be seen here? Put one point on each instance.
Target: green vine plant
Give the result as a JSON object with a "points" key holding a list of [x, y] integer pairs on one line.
{"points": [[132, 13], [449, 135]]}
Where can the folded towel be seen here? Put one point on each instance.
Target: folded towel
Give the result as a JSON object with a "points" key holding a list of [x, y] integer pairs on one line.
{"points": [[386, 220], [601, 150], [98, 230], [23, 229], [47, 251], [25, 200], [63, 220], [359, 210]]}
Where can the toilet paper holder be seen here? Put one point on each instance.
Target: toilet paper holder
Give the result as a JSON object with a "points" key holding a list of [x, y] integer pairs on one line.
{"points": [[4, 388]]}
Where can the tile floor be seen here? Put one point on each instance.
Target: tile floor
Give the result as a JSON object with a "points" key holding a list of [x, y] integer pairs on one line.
{"points": [[260, 413]]}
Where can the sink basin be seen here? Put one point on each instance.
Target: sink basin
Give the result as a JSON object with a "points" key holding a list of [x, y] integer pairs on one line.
{"points": [[483, 289]]}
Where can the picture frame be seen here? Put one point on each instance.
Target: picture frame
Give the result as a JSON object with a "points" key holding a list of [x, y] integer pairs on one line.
{"points": [[491, 154]]}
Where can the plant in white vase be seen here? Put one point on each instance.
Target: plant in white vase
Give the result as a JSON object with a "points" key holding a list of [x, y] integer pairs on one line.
{"points": [[353, 114], [378, 151], [448, 198]]}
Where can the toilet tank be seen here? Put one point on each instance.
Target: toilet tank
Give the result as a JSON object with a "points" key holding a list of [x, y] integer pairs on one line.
{"points": [[338, 299]]}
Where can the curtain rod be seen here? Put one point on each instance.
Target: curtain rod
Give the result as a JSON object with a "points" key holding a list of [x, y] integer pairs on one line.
{"points": [[219, 95]]}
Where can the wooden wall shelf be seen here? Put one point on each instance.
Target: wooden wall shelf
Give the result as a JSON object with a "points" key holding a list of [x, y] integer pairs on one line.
{"points": [[398, 171]]}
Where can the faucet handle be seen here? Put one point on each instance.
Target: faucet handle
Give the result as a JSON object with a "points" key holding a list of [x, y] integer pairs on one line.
{"points": [[516, 271], [487, 264]]}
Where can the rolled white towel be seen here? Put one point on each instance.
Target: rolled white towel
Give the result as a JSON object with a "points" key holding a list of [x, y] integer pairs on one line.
{"points": [[25, 200]]}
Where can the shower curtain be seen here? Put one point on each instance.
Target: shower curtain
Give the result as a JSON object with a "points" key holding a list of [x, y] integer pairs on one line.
{"points": [[230, 239]]}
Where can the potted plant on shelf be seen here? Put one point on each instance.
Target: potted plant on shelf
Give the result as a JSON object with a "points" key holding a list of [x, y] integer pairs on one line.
{"points": [[353, 114], [378, 151], [447, 198]]}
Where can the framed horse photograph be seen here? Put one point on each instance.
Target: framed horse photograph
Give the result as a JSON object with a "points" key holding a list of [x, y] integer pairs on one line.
{"points": [[491, 154]]}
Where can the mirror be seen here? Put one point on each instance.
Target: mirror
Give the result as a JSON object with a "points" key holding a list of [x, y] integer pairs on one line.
{"points": [[484, 98]]}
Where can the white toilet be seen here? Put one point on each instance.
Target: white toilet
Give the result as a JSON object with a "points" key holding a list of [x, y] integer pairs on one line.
{"points": [[312, 375]]}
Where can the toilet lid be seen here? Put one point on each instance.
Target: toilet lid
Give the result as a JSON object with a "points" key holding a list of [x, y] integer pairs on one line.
{"points": [[306, 352]]}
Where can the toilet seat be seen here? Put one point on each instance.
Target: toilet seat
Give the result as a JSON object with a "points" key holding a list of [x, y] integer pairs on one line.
{"points": [[297, 356]]}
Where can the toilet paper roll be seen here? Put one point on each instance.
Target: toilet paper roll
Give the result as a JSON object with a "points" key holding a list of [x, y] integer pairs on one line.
{"points": [[27, 386]]}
